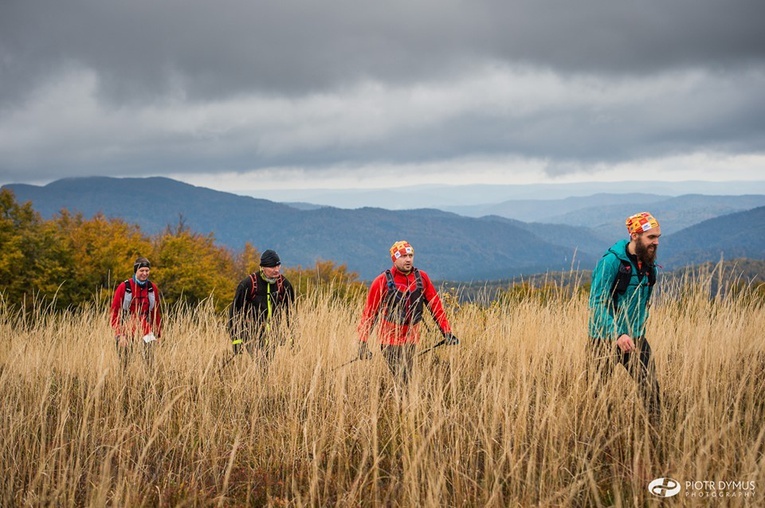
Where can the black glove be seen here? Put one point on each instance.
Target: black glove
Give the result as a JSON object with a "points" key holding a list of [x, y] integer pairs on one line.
{"points": [[364, 352], [451, 340], [237, 348]]}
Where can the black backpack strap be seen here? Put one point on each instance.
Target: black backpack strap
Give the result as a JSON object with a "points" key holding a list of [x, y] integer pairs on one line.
{"points": [[418, 277], [651, 275], [623, 277], [392, 283], [389, 279]]}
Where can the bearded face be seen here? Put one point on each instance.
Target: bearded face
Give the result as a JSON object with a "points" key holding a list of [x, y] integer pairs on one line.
{"points": [[645, 247]]}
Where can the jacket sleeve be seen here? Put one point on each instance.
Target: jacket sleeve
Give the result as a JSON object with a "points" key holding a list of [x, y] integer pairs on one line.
{"points": [[371, 308], [602, 323], [434, 304], [116, 308], [237, 310], [289, 301]]}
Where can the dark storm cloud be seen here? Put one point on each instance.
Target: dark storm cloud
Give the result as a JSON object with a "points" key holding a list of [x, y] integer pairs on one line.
{"points": [[96, 86], [144, 48]]}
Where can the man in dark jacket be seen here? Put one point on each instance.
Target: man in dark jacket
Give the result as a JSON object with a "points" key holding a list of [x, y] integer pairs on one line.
{"points": [[395, 303], [622, 284], [260, 311]]}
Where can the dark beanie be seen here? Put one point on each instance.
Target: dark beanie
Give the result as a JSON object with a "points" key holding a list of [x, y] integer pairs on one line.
{"points": [[269, 259], [141, 263]]}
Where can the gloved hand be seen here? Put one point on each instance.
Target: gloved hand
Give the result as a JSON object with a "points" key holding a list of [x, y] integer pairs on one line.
{"points": [[451, 340], [237, 347], [364, 352]]}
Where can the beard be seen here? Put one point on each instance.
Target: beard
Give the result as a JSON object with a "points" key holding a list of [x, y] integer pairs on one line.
{"points": [[645, 253]]}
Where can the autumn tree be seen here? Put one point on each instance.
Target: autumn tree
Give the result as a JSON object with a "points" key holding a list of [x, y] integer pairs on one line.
{"points": [[68, 260], [247, 261], [189, 268], [336, 281], [99, 253], [20, 247]]}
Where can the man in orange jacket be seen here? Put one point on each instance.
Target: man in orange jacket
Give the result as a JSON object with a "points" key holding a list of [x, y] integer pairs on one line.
{"points": [[395, 303]]}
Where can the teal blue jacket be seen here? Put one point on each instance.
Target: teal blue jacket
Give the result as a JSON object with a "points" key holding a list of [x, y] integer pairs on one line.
{"points": [[611, 316]]}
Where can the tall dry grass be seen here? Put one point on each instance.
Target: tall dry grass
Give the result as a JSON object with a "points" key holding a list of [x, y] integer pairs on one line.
{"points": [[505, 419]]}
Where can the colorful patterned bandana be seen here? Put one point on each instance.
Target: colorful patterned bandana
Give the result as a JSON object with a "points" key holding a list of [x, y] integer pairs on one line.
{"points": [[400, 248], [641, 222]]}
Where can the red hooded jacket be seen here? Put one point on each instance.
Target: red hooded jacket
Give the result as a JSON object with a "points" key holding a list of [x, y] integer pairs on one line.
{"points": [[388, 332]]}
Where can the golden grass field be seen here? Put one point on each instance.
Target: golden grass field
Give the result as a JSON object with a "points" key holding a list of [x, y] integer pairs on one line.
{"points": [[504, 419]]}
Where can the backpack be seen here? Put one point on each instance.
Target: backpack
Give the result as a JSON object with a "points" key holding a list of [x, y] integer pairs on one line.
{"points": [[623, 276], [254, 287], [397, 303], [128, 298]]}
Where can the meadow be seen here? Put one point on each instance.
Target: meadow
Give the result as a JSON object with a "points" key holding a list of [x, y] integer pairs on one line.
{"points": [[507, 418]]}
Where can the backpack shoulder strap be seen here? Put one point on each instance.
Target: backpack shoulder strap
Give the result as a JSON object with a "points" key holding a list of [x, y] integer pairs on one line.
{"points": [[280, 285], [392, 283], [623, 277], [389, 279], [152, 290], [652, 275], [128, 296], [418, 278], [253, 287]]}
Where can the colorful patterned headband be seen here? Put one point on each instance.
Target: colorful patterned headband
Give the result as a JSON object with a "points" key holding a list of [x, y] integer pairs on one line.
{"points": [[641, 222], [400, 248]]}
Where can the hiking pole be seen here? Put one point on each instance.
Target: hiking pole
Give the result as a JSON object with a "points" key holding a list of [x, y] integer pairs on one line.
{"points": [[226, 363], [431, 348], [344, 364]]}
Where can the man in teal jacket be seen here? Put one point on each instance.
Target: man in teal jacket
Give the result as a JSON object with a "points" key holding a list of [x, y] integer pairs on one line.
{"points": [[622, 283]]}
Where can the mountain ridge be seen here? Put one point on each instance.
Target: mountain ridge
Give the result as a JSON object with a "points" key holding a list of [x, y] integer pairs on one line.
{"points": [[449, 246]]}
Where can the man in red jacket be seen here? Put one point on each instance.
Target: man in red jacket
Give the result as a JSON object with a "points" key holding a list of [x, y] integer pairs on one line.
{"points": [[395, 303], [135, 313]]}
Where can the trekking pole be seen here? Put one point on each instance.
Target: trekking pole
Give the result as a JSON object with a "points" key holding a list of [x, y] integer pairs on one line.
{"points": [[226, 363], [431, 348], [344, 364]]}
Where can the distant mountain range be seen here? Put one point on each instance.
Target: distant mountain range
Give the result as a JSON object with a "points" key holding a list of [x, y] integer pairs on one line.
{"points": [[448, 245], [476, 200]]}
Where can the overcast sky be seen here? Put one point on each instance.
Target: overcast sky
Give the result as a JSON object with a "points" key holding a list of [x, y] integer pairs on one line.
{"points": [[243, 94]]}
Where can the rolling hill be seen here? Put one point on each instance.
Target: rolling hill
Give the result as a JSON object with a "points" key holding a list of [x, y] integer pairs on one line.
{"points": [[449, 246]]}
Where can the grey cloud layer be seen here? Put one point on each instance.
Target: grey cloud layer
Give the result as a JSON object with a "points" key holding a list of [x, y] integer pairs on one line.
{"points": [[228, 46], [237, 84]]}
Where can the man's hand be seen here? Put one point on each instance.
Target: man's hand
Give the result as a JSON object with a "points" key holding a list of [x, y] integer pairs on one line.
{"points": [[364, 352], [625, 343], [451, 340]]}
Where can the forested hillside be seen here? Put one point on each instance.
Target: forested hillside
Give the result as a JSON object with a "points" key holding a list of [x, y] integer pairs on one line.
{"points": [[70, 260], [449, 246]]}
